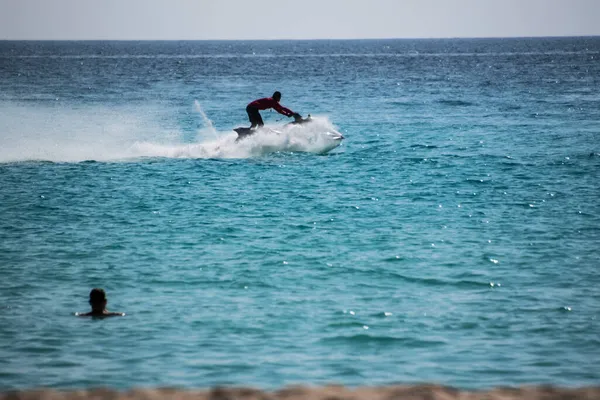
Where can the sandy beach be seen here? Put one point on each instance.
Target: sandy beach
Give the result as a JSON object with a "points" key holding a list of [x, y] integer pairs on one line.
{"points": [[417, 392]]}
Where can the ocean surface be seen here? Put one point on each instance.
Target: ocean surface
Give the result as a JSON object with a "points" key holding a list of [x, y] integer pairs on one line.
{"points": [[453, 237]]}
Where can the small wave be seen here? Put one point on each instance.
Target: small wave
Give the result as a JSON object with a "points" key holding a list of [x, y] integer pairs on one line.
{"points": [[477, 181], [423, 146], [345, 324], [510, 107], [394, 259], [405, 103], [366, 339], [458, 103], [462, 283]]}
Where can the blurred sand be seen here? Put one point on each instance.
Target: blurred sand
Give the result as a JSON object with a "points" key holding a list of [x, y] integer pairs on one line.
{"points": [[417, 392]]}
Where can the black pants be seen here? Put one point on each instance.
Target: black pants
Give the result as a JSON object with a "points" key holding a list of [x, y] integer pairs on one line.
{"points": [[254, 116]]}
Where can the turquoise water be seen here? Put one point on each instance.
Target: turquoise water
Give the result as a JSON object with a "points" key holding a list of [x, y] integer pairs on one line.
{"points": [[452, 237]]}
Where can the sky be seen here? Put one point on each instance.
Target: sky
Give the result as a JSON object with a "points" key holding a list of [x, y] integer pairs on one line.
{"points": [[299, 19]]}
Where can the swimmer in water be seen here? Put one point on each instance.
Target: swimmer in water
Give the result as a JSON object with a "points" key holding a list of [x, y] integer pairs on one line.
{"points": [[98, 302]]}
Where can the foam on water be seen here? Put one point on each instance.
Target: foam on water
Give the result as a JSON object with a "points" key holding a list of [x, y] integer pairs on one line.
{"points": [[100, 134], [311, 138], [58, 134]]}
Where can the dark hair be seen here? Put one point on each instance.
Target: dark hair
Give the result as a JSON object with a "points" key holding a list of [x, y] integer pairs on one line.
{"points": [[277, 95], [97, 295]]}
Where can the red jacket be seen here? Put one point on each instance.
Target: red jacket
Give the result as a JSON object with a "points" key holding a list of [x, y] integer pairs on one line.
{"points": [[269, 102]]}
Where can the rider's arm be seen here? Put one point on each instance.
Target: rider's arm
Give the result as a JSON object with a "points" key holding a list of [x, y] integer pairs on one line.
{"points": [[282, 110]]}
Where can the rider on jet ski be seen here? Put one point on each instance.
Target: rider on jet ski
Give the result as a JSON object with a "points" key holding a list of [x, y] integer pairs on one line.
{"points": [[266, 103]]}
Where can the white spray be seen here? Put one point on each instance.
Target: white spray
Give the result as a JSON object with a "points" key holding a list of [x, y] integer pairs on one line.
{"points": [[208, 124], [77, 134]]}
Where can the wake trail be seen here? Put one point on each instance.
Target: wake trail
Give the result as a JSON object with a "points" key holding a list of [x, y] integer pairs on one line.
{"points": [[103, 133]]}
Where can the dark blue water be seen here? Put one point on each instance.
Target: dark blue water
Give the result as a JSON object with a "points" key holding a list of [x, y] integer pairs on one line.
{"points": [[452, 237]]}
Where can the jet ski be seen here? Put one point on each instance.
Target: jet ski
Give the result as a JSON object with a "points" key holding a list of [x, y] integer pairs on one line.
{"points": [[244, 132]]}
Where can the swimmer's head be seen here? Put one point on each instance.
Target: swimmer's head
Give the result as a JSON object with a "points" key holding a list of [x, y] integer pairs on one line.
{"points": [[98, 299]]}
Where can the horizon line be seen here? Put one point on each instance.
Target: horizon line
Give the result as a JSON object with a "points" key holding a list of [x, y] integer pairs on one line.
{"points": [[300, 39]]}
